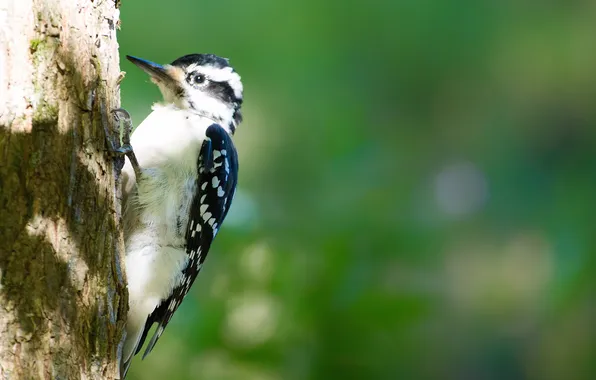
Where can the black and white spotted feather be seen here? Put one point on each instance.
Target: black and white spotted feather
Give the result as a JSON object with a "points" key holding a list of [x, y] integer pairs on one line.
{"points": [[217, 177]]}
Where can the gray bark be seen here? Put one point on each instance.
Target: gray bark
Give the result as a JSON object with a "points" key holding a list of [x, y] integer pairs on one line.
{"points": [[62, 292]]}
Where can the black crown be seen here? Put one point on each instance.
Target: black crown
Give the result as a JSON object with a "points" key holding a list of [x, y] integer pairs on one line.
{"points": [[202, 60]]}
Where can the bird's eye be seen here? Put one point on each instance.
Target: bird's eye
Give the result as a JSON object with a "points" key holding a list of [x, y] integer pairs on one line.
{"points": [[197, 78]]}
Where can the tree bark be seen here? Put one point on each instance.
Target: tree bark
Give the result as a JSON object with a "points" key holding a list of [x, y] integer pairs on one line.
{"points": [[62, 292]]}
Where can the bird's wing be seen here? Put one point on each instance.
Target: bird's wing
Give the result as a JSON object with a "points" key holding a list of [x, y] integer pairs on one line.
{"points": [[216, 184]]}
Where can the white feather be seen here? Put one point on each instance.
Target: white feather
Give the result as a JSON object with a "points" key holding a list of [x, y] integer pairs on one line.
{"points": [[166, 145]]}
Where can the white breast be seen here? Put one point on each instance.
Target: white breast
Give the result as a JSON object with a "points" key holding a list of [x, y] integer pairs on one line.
{"points": [[167, 146], [169, 136]]}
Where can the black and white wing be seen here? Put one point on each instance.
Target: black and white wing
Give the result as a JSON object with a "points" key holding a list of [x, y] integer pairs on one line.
{"points": [[216, 184]]}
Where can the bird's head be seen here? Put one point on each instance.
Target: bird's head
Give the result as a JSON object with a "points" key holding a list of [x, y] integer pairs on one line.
{"points": [[202, 83]]}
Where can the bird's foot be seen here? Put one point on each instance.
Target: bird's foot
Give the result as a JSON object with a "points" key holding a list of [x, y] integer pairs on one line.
{"points": [[123, 118]]}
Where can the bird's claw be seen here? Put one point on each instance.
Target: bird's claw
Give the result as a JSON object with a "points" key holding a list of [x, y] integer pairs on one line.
{"points": [[123, 150], [120, 114], [122, 117]]}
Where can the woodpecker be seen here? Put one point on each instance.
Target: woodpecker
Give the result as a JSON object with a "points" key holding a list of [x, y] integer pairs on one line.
{"points": [[178, 184]]}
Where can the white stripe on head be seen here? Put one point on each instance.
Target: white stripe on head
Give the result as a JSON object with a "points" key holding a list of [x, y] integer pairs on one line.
{"points": [[216, 74]]}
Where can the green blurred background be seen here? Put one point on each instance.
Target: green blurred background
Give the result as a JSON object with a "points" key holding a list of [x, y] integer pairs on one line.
{"points": [[417, 190]]}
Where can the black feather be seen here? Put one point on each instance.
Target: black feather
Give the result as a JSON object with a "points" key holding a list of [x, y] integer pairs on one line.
{"points": [[201, 59]]}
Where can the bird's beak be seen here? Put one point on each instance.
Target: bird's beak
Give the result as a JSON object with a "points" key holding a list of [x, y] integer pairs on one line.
{"points": [[157, 72]]}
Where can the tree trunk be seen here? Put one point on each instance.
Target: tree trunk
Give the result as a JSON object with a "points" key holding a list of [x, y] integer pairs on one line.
{"points": [[62, 292]]}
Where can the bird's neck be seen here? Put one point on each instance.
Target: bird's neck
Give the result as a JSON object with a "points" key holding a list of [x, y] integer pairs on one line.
{"points": [[223, 116]]}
